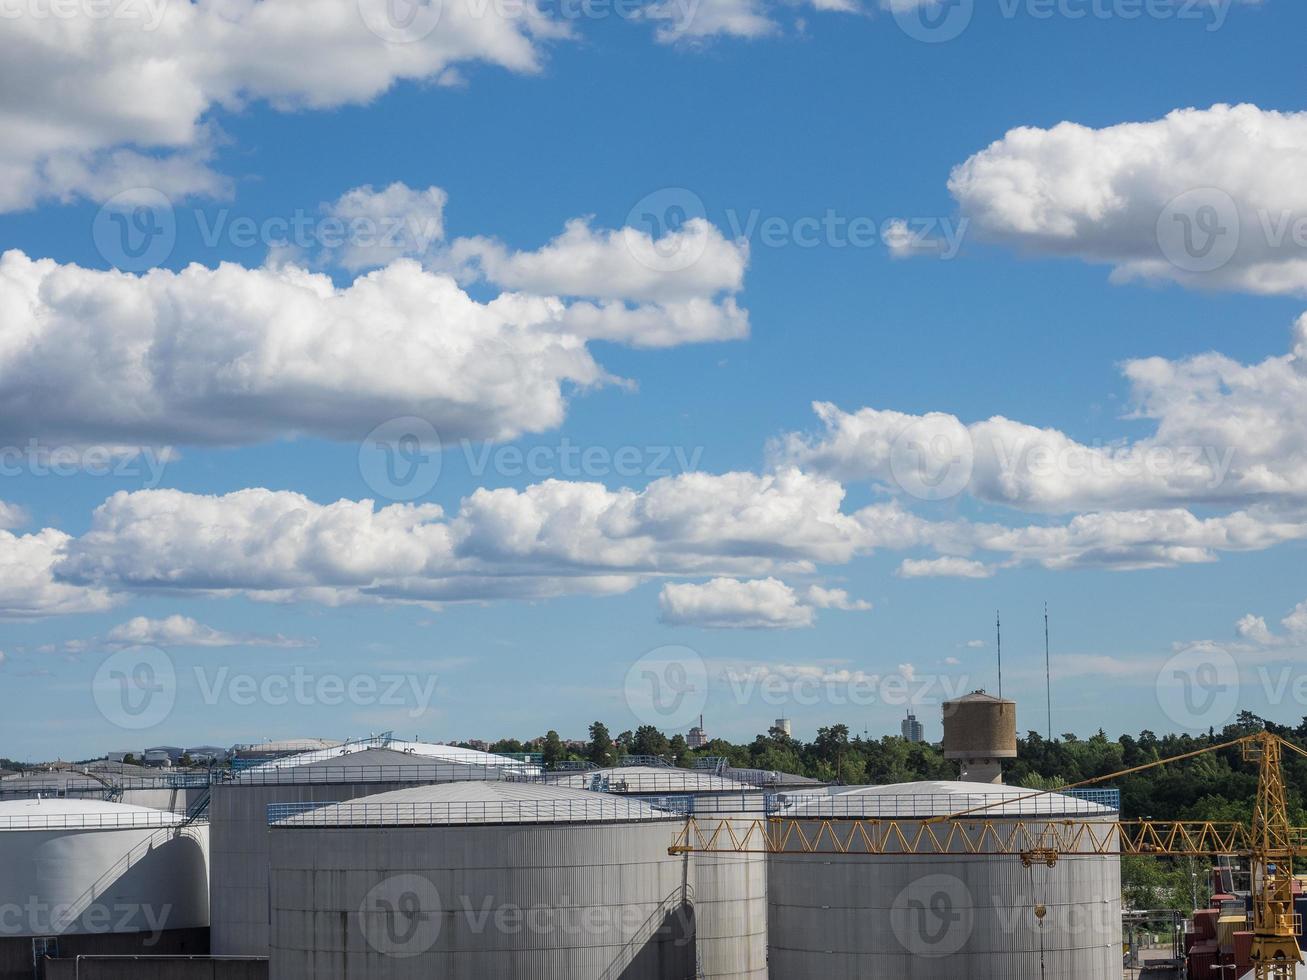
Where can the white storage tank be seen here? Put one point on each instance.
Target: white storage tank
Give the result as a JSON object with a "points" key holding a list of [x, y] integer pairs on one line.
{"points": [[730, 890], [483, 881], [955, 916], [238, 814], [87, 868]]}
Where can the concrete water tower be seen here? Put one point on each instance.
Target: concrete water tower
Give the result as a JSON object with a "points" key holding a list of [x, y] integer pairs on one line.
{"points": [[980, 731]]}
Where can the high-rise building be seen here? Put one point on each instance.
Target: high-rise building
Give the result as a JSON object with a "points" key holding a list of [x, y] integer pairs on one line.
{"points": [[912, 729]]}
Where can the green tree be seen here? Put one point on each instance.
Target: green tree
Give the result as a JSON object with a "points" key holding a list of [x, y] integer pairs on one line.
{"points": [[552, 749], [600, 751]]}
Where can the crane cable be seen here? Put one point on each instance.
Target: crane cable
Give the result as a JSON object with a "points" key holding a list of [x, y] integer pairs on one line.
{"points": [[1041, 910]]}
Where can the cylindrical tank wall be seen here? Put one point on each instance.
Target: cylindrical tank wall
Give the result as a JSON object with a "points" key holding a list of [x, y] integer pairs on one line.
{"points": [[580, 901], [238, 817], [84, 881], [903, 917], [730, 894]]}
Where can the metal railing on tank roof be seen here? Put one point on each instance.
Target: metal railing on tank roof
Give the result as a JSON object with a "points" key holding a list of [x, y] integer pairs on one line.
{"points": [[152, 820], [977, 806], [596, 809], [416, 772]]}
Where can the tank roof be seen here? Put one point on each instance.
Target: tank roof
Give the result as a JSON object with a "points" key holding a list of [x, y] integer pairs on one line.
{"points": [[934, 798], [486, 803], [981, 696], [651, 779], [53, 814]]}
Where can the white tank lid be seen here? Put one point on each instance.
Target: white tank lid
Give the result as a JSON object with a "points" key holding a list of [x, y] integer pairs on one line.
{"points": [[477, 803], [937, 798], [67, 814], [651, 779]]}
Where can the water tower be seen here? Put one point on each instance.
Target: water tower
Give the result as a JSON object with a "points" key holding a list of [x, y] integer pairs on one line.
{"points": [[980, 731]]}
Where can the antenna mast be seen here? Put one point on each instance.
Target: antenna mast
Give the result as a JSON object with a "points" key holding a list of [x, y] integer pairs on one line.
{"points": [[998, 633], [1048, 675]]}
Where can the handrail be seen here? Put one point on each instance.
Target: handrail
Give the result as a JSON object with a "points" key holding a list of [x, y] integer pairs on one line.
{"points": [[598, 809], [142, 820]]}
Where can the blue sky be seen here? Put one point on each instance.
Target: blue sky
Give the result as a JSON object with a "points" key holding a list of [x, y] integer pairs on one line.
{"points": [[831, 111]]}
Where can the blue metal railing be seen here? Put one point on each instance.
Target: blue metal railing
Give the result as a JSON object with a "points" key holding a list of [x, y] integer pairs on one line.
{"points": [[1103, 797], [981, 806]]}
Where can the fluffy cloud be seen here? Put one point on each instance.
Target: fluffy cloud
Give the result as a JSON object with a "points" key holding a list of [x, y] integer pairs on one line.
{"points": [[547, 539], [1254, 628], [944, 568], [727, 603], [182, 631], [28, 589], [96, 104], [385, 225], [648, 292], [234, 355], [1223, 433], [1207, 197], [12, 516]]}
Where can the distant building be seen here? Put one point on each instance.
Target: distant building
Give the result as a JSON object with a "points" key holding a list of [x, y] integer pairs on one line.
{"points": [[697, 738], [163, 755], [786, 726], [204, 754], [912, 729]]}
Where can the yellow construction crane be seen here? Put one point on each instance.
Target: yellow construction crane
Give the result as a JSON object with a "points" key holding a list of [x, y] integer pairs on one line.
{"points": [[1269, 844]]}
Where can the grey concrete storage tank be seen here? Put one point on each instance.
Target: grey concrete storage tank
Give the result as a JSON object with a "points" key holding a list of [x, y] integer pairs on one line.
{"points": [[99, 877], [238, 813], [730, 890], [946, 917], [483, 881]]}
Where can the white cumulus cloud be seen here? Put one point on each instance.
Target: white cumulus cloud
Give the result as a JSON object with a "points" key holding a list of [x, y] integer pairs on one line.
{"points": [[1215, 198], [183, 631]]}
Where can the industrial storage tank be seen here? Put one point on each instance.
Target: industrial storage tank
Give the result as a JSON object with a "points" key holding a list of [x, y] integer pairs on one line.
{"points": [[943, 917], [238, 814], [730, 890], [82, 876], [480, 880]]}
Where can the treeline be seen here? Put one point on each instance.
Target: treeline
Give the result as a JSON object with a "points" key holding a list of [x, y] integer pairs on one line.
{"points": [[1216, 786]]}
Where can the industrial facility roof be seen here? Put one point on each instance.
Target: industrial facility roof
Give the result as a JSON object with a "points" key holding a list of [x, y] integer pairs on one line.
{"points": [[651, 779], [428, 750], [471, 803], [286, 745], [64, 814], [934, 798], [379, 766]]}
